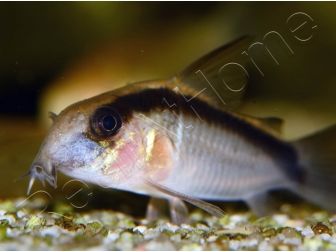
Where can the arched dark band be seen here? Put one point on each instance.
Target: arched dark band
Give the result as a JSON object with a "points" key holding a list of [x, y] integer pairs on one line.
{"points": [[160, 99]]}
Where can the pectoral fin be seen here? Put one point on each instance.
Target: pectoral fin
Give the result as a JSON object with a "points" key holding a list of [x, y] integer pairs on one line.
{"points": [[212, 209]]}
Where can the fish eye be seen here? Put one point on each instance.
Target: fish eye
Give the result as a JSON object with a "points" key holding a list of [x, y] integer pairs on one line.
{"points": [[106, 122]]}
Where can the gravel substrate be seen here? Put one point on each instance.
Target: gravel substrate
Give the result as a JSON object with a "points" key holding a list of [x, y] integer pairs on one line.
{"points": [[24, 226]]}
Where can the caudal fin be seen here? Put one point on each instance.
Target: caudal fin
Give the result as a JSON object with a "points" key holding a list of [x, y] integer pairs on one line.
{"points": [[317, 155]]}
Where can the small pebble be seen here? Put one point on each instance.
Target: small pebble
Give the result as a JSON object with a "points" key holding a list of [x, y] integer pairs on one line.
{"points": [[140, 229], [159, 244], [212, 238], [111, 237], [8, 217], [20, 214], [280, 219], [176, 238], [202, 227], [151, 233], [168, 227], [191, 247], [187, 227], [320, 228], [307, 232], [265, 246], [54, 231], [313, 244], [35, 222], [325, 237]]}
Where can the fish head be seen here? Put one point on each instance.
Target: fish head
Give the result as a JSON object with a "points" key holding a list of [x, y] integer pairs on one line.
{"points": [[93, 141]]}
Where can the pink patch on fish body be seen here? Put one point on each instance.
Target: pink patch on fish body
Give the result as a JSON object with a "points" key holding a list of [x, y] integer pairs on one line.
{"points": [[161, 163], [127, 156]]}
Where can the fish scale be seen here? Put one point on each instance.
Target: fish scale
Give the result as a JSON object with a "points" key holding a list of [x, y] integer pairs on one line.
{"points": [[229, 173]]}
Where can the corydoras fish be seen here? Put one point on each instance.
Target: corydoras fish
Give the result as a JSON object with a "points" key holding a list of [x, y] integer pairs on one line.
{"points": [[179, 139]]}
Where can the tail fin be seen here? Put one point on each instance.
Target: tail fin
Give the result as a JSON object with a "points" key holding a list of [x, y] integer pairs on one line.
{"points": [[317, 156]]}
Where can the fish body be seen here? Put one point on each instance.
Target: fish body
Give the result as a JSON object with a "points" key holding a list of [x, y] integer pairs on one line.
{"points": [[169, 140], [187, 146]]}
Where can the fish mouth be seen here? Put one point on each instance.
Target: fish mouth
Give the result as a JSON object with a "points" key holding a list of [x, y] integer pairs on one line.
{"points": [[43, 174]]}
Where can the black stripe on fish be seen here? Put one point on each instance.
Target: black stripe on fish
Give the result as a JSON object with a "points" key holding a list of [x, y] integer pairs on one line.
{"points": [[160, 99]]}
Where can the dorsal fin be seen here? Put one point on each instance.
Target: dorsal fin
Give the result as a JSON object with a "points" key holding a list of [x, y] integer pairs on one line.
{"points": [[221, 75], [274, 123]]}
